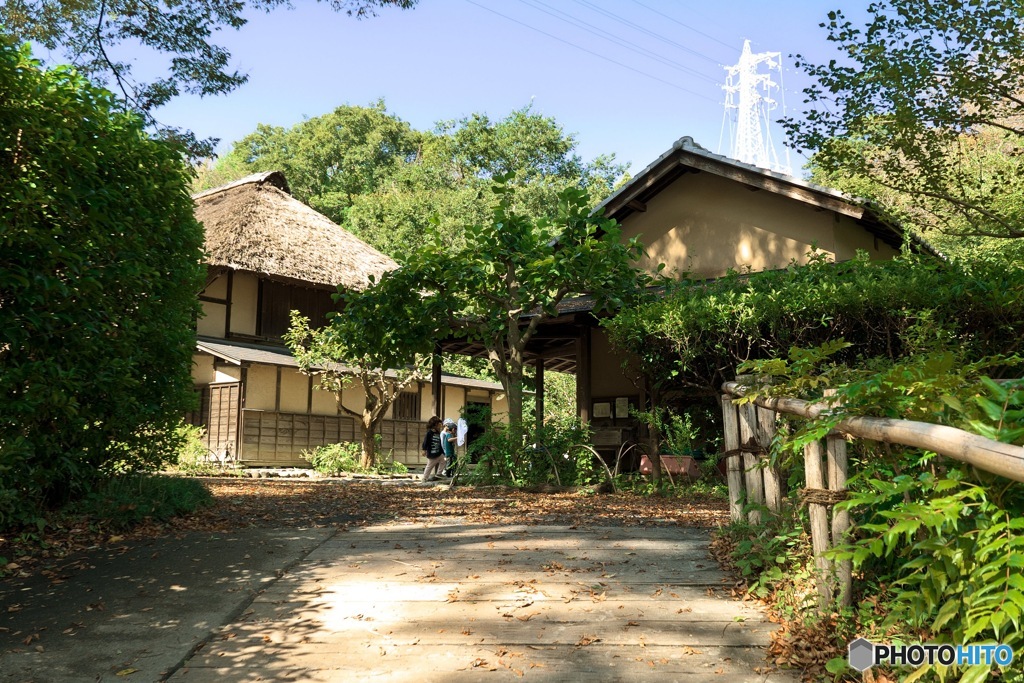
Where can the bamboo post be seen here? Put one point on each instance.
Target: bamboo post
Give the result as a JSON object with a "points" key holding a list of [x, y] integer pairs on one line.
{"points": [[837, 473], [1004, 459], [835, 448], [753, 478], [819, 521], [733, 471], [766, 428]]}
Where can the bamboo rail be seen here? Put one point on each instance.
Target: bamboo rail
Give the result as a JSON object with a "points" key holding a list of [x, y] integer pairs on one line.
{"points": [[748, 432], [996, 457]]}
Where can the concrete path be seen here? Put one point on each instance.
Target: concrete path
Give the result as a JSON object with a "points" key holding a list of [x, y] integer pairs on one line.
{"points": [[457, 603], [139, 609]]}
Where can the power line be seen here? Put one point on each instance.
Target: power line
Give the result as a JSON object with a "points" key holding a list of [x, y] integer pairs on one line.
{"points": [[698, 31], [640, 28], [595, 54], [628, 44]]}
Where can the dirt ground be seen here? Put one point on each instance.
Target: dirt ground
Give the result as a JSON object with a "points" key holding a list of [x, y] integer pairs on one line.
{"points": [[244, 502]]}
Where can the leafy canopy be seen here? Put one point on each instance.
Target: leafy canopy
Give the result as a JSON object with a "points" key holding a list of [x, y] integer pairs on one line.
{"points": [[497, 287], [87, 33], [696, 335], [100, 260], [927, 101], [372, 173]]}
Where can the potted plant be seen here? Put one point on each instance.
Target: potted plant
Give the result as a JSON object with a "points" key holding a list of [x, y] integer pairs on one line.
{"points": [[676, 445]]}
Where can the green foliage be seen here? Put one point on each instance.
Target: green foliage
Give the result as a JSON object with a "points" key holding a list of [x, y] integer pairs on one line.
{"points": [[510, 265], [952, 544], [924, 102], [708, 485], [943, 537], [771, 554], [336, 459], [84, 31], [526, 457], [370, 172], [125, 501], [330, 159], [677, 432], [349, 351], [100, 259], [698, 332], [937, 387], [194, 457]]}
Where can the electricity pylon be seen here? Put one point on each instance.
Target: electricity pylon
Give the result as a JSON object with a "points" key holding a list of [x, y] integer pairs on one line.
{"points": [[749, 92]]}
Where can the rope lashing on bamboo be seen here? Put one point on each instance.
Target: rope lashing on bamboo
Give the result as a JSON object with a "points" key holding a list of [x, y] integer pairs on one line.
{"points": [[749, 447], [824, 497]]}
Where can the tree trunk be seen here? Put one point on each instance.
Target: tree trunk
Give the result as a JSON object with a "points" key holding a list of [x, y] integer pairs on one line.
{"points": [[368, 457], [514, 392]]}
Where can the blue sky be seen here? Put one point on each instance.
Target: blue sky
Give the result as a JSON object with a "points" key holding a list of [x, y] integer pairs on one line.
{"points": [[448, 58]]}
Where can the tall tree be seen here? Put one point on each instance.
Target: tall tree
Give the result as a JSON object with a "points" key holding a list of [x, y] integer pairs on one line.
{"points": [[86, 33], [100, 266], [372, 173], [329, 160], [916, 92], [499, 286]]}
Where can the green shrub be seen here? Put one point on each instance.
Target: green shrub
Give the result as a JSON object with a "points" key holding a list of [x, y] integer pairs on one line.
{"points": [[123, 502], [694, 336], [527, 457], [940, 540], [194, 456], [335, 459], [391, 466], [100, 259]]}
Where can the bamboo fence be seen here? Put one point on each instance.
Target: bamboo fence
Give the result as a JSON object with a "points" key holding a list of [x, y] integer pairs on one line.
{"points": [[754, 485]]}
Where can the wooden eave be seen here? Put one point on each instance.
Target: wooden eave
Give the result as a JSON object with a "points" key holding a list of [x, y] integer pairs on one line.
{"points": [[662, 174]]}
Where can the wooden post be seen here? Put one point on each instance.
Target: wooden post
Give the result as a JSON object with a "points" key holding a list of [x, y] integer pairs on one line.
{"points": [[583, 384], [819, 522], [734, 472], [435, 382], [540, 395], [751, 462], [835, 453], [766, 428]]}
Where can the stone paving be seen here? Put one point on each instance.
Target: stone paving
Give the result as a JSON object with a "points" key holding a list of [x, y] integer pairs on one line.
{"points": [[453, 602]]}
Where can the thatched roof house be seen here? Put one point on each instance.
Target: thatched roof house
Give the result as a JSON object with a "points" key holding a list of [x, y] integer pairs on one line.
{"points": [[255, 225]]}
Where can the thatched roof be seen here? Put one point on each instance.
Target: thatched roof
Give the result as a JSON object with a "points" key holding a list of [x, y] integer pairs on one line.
{"points": [[255, 224]]}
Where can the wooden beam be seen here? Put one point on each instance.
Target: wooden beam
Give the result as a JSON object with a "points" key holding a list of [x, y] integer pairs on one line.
{"points": [[752, 474], [775, 185], [227, 311], [733, 463], [583, 384], [637, 205], [766, 428], [309, 394], [559, 351], [277, 391], [818, 514], [435, 381], [259, 306], [212, 274], [539, 398], [666, 166]]}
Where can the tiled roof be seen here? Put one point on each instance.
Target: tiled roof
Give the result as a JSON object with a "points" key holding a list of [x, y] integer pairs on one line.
{"points": [[242, 352]]}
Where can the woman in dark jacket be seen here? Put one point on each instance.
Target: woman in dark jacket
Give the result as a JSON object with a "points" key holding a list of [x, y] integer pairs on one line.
{"points": [[432, 449]]}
